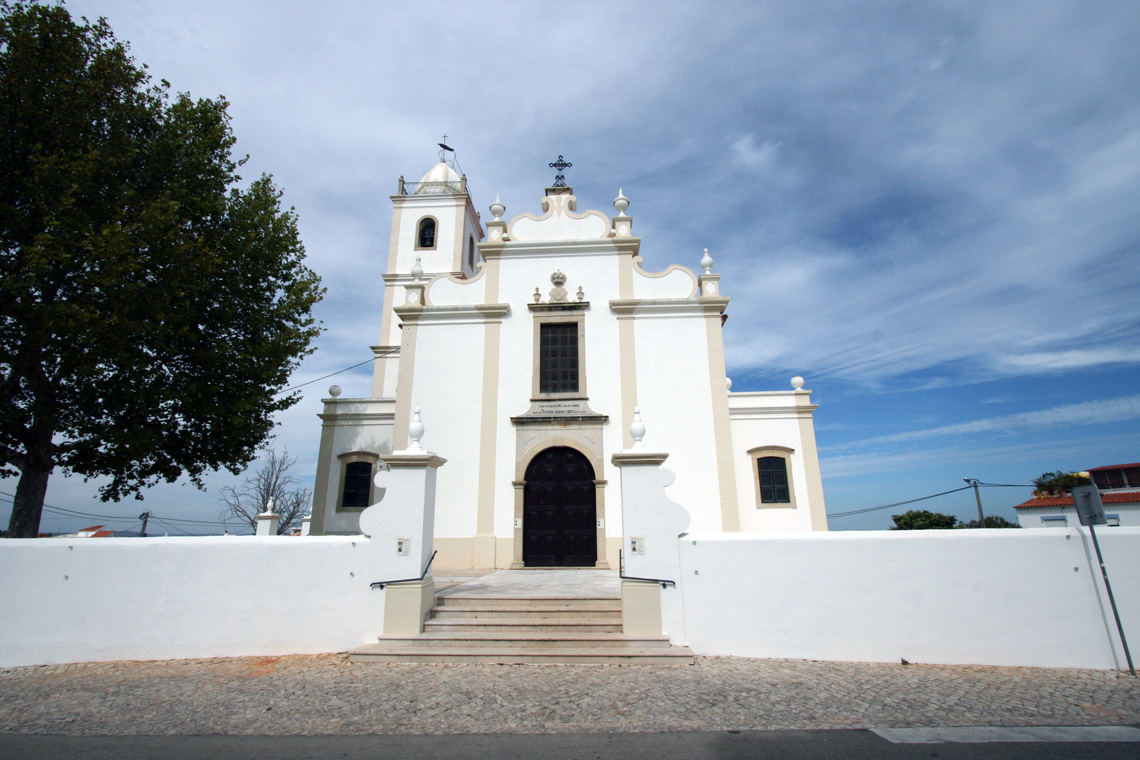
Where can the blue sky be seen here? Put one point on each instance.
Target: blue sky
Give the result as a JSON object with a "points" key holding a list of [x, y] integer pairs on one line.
{"points": [[931, 211]]}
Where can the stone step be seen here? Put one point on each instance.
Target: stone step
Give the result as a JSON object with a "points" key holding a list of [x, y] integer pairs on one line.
{"points": [[511, 656], [538, 614], [521, 624], [512, 601], [524, 640]]}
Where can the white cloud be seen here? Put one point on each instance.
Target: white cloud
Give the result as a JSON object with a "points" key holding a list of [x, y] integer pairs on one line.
{"points": [[760, 158], [1084, 413]]}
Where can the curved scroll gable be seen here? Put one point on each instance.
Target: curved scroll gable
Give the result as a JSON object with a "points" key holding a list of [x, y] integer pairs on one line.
{"points": [[675, 282], [449, 290], [559, 222]]}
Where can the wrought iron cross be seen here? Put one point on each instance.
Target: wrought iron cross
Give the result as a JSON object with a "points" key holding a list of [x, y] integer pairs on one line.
{"points": [[560, 165]]}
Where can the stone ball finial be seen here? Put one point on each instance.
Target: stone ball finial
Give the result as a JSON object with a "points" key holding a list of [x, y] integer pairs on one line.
{"points": [[707, 262], [797, 382], [728, 383], [417, 269], [334, 390], [637, 429], [497, 208], [621, 203], [415, 431]]}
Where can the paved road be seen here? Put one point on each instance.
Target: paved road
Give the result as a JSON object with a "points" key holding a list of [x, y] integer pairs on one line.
{"points": [[327, 694], [721, 745]]}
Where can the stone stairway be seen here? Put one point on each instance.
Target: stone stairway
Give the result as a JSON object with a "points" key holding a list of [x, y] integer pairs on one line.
{"points": [[513, 630]]}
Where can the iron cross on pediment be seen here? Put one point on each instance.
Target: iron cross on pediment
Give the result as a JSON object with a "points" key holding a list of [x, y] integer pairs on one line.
{"points": [[560, 165]]}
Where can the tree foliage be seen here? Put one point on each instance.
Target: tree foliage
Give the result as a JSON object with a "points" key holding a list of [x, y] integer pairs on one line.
{"points": [[1060, 481], [149, 306], [272, 480], [992, 521], [920, 519]]}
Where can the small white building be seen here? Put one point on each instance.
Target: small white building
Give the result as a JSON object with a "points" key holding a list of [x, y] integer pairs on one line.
{"points": [[1119, 486], [529, 344]]}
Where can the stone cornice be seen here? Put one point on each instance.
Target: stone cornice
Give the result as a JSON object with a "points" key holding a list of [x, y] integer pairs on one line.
{"points": [[623, 458], [645, 306]]}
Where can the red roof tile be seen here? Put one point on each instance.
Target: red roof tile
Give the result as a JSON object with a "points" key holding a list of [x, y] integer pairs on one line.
{"points": [[1113, 467], [1128, 497]]}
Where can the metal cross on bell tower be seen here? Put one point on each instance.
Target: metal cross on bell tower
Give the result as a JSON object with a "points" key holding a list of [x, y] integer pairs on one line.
{"points": [[560, 165]]}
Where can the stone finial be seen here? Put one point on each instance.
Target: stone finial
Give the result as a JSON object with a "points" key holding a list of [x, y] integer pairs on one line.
{"points": [[497, 208], [269, 506], [581, 293], [797, 382], [728, 383], [415, 431], [334, 391], [637, 429], [417, 270], [537, 295], [621, 203], [707, 262]]}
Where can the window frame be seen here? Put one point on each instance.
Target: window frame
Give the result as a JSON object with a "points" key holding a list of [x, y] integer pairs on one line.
{"points": [[419, 230], [778, 452], [570, 314], [356, 457]]}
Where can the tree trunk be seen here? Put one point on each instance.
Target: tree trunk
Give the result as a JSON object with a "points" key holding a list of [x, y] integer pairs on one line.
{"points": [[29, 502]]}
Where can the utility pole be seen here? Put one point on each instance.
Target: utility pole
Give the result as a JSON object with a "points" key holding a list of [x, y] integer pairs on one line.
{"points": [[144, 517], [978, 498]]}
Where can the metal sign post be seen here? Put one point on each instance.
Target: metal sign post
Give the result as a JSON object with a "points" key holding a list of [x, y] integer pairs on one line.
{"points": [[1090, 512]]}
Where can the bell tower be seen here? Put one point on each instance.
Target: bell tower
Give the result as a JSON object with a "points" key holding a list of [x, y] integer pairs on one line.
{"points": [[435, 229]]}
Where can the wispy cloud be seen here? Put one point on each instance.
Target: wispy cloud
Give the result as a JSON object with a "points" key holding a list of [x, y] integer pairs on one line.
{"points": [[1083, 413]]}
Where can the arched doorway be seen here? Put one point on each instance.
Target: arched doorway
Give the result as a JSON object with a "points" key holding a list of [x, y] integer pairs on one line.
{"points": [[559, 510]]}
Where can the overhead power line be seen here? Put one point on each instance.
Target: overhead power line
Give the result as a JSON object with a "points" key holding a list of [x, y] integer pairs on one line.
{"points": [[331, 374], [924, 498], [897, 503], [119, 518]]}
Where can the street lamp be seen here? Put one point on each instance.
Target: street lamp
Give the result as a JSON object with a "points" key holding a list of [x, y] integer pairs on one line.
{"points": [[978, 497]]}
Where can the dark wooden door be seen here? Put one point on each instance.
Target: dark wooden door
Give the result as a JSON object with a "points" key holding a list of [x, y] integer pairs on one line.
{"points": [[559, 511]]}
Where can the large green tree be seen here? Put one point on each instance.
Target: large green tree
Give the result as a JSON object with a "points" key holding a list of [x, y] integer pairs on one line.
{"points": [[150, 307]]}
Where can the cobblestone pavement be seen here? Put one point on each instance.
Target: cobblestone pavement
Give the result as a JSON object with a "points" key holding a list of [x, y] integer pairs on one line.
{"points": [[326, 694]]}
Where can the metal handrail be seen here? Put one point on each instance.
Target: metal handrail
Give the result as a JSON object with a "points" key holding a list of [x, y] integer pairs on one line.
{"points": [[382, 584], [621, 574], [432, 188]]}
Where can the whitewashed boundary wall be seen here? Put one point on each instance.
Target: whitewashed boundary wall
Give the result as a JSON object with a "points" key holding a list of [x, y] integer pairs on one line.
{"points": [[77, 600], [988, 597]]}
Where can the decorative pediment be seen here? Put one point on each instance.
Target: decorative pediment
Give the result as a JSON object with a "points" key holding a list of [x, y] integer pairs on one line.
{"points": [[559, 222]]}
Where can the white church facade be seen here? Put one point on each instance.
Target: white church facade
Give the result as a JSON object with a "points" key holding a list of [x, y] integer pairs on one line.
{"points": [[529, 347]]}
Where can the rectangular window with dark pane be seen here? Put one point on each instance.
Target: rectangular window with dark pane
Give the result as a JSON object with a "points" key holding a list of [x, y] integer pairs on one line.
{"points": [[773, 472], [558, 358], [357, 484]]}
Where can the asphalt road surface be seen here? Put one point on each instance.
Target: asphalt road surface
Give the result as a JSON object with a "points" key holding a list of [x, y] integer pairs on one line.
{"points": [[1107, 743]]}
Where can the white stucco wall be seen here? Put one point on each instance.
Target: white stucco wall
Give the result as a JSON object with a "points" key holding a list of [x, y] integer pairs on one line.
{"points": [[76, 600], [448, 389], [1031, 517], [675, 399], [990, 597]]}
